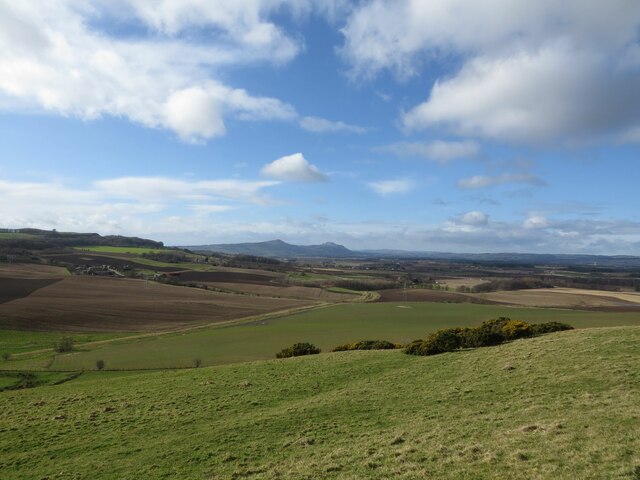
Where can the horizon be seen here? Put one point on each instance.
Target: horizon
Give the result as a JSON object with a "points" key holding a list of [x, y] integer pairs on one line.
{"points": [[399, 125]]}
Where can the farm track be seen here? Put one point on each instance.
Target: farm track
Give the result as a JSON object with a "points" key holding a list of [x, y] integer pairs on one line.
{"points": [[253, 319]]}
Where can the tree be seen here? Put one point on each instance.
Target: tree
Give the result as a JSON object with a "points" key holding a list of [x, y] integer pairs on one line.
{"points": [[197, 362], [64, 345], [6, 356], [100, 364]]}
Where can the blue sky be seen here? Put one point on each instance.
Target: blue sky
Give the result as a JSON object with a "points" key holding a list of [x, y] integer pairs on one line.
{"points": [[449, 125]]}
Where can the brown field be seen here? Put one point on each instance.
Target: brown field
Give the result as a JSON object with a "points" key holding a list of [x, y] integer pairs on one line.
{"points": [[103, 304], [425, 295], [32, 270], [14, 288], [566, 298], [287, 291], [227, 276], [454, 283]]}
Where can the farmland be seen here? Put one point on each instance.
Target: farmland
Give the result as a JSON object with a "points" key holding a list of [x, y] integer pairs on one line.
{"points": [[326, 327], [99, 304], [520, 410]]}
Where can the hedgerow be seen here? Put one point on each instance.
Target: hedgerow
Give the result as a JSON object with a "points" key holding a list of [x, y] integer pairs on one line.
{"points": [[366, 345], [298, 350], [489, 333]]}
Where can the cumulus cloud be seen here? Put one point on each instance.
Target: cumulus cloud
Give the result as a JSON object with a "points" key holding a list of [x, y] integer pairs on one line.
{"points": [[438, 150], [536, 221], [321, 125], [475, 218], [484, 181], [133, 204], [293, 168], [539, 72], [391, 187], [61, 57]]}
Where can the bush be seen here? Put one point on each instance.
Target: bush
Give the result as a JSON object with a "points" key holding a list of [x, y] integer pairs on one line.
{"points": [[549, 327], [489, 333], [64, 345], [197, 363], [99, 364], [6, 356], [514, 329], [366, 345], [298, 350]]}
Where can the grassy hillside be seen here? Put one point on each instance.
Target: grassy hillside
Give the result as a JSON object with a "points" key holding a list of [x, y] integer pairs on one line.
{"points": [[325, 327], [558, 406]]}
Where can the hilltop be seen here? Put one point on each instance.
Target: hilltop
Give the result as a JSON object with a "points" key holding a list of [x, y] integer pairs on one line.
{"points": [[521, 410], [279, 249]]}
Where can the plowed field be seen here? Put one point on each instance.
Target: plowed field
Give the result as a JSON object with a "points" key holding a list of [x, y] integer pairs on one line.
{"points": [[100, 304]]}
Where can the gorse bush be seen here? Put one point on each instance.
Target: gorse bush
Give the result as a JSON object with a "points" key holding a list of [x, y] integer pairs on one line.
{"points": [[298, 350], [489, 333], [366, 345]]}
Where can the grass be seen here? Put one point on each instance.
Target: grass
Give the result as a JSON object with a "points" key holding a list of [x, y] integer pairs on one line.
{"points": [[18, 342], [132, 250], [16, 236], [566, 407], [325, 327]]}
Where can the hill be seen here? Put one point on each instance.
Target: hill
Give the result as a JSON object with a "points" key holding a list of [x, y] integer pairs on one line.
{"points": [[279, 249], [558, 406], [36, 239]]}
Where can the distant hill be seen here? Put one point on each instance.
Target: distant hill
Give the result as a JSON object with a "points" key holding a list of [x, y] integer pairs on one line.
{"points": [[36, 239], [279, 249]]}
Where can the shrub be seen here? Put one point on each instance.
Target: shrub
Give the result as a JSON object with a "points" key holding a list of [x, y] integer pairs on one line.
{"points": [[366, 345], [64, 345], [542, 328], [6, 356], [99, 364], [489, 333], [297, 350], [197, 362], [514, 329], [446, 340]]}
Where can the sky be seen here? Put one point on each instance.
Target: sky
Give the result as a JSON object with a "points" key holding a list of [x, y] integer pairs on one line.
{"points": [[447, 125]]}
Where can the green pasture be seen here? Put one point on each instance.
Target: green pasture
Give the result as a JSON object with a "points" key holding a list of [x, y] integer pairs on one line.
{"points": [[132, 250], [560, 406], [17, 342], [325, 327], [17, 236]]}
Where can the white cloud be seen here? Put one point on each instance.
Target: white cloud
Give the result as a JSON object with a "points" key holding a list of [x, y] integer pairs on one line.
{"points": [[537, 72], [61, 57], [438, 150], [159, 188], [193, 114], [391, 187], [294, 168], [483, 181], [536, 221], [475, 218], [321, 125]]}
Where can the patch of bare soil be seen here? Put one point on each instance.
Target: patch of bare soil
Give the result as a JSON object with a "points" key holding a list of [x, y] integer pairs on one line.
{"points": [[104, 304]]}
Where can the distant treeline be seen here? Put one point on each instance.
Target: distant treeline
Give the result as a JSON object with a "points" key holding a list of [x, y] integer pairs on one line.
{"points": [[592, 283], [49, 239]]}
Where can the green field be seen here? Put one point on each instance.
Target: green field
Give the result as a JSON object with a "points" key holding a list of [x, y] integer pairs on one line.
{"points": [[560, 406], [325, 327], [16, 236], [17, 342], [133, 250]]}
